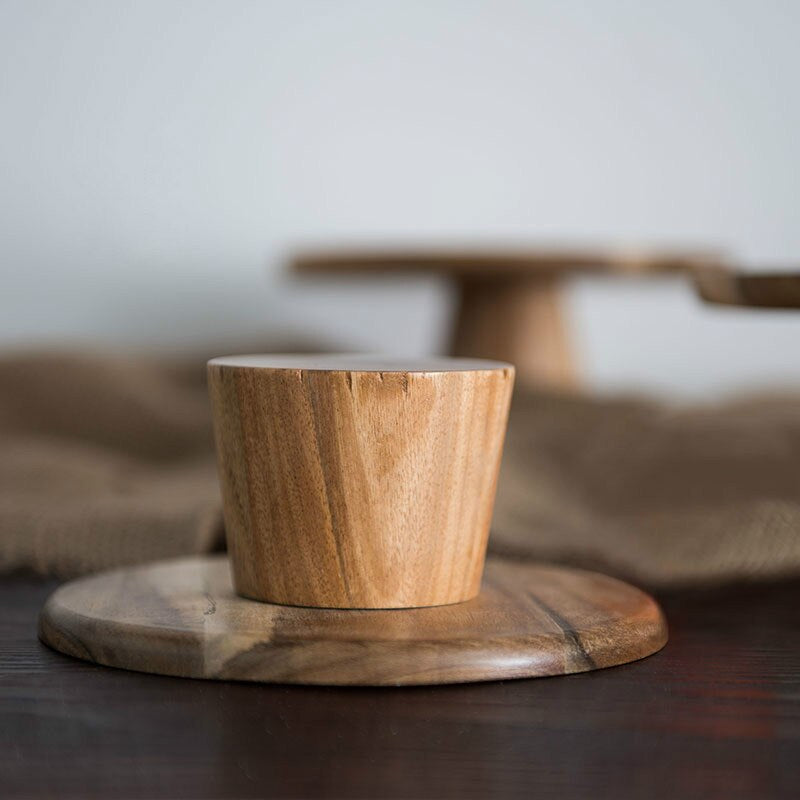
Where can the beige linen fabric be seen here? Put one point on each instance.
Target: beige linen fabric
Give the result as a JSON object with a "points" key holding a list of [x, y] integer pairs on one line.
{"points": [[108, 460]]}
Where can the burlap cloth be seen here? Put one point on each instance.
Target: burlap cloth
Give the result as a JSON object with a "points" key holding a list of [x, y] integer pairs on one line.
{"points": [[108, 461]]}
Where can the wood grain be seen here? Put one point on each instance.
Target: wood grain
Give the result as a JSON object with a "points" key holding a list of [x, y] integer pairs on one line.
{"points": [[520, 320], [183, 618], [351, 482]]}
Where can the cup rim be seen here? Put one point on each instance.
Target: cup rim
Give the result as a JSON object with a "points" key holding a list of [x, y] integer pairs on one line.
{"points": [[357, 362]]}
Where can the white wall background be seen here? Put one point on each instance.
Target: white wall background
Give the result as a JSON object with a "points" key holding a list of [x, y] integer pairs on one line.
{"points": [[157, 159]]}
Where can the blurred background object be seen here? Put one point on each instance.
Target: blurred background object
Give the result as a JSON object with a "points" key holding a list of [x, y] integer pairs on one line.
{"points": [[773, 290], [160, 160], [509, 302]]}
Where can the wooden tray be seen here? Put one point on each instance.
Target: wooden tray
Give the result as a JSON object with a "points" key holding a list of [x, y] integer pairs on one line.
{"points": [[181, 617]]}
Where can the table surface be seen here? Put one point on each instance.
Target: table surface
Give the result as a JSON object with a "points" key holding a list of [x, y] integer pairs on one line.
{"points": [[715, 714]]}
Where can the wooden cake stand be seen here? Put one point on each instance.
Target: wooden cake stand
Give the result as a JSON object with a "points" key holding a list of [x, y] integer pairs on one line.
{"points": [[509, 301], [357, 495]]}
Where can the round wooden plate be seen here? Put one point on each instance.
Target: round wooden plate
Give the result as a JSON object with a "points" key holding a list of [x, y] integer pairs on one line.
{"points": [[182, 618]]}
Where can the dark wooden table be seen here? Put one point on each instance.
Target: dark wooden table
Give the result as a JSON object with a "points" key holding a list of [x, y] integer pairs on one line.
{"points": [[716, 714]]}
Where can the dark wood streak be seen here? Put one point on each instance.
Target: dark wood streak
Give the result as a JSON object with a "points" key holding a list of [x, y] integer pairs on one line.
{"points": [[570, 634]]}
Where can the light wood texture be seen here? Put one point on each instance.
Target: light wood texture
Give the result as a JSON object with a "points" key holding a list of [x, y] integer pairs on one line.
{"points": [[521, 319], [183, 618], [356, 482], [509, 304], [776, 290]]}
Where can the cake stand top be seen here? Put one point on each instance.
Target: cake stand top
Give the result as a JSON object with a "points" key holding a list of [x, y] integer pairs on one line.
{"points": [[503, 262]]}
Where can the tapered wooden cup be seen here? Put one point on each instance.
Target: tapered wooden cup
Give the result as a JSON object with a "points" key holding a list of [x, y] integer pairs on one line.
{"points": [[358, 482]]}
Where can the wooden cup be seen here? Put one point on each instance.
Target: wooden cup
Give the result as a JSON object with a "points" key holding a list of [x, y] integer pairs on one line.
{"points": [[358, 482]]}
